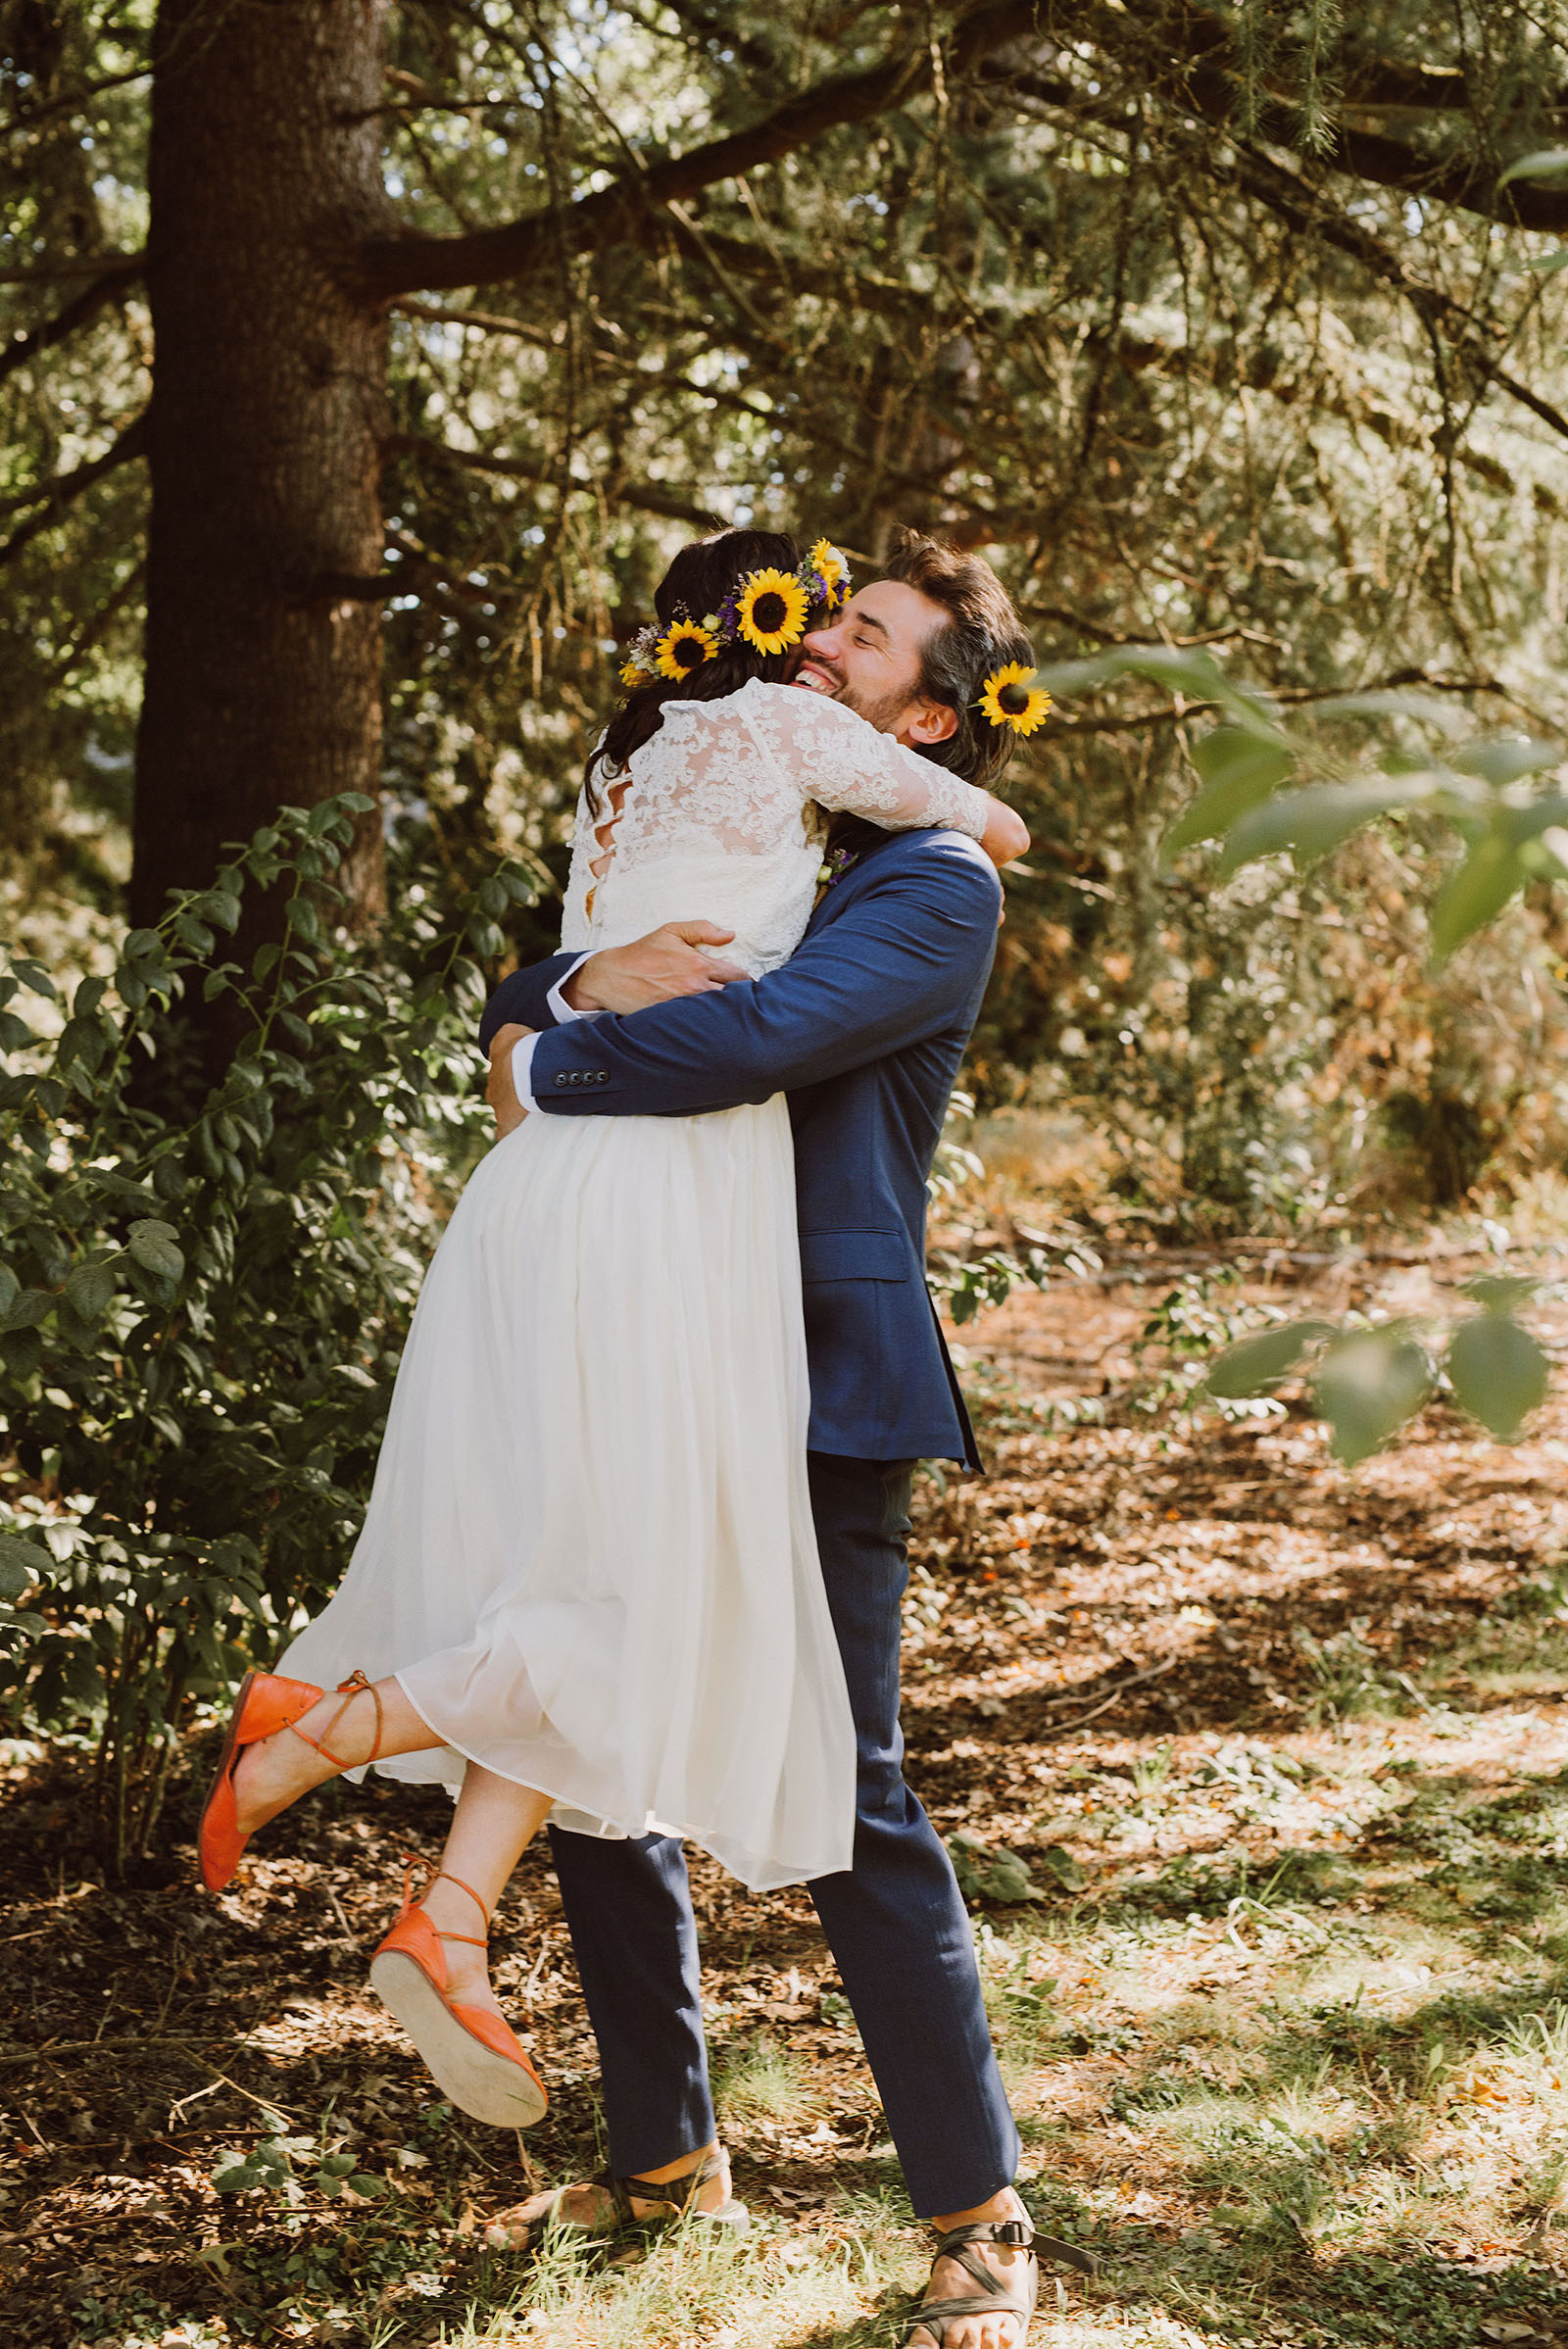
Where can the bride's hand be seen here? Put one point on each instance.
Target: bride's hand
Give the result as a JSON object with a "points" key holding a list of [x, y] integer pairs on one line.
{"points": [[500, 1093]]}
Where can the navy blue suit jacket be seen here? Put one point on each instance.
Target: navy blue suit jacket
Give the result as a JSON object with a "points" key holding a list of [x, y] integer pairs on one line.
{"points": [[864, 1027]]}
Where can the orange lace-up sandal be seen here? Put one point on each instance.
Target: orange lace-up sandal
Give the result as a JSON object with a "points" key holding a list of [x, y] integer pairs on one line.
{"points": [[478, 2062], [266, 1704]]}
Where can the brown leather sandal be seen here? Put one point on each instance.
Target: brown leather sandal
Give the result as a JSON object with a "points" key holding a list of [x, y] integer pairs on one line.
{"points": [[993, 2297], [677, 2195]]}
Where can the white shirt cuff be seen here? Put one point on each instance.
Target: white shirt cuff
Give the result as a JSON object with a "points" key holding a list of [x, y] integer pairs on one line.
{"points": [[522, 1071], [522, 1051], [557, 998]]}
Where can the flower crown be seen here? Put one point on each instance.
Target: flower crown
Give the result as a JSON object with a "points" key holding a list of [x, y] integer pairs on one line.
{"points": [[768, 610], [1011, 698]]}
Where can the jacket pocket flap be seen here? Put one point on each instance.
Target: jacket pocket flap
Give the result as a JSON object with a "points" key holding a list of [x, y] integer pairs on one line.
{"points": [[854, 1256]]}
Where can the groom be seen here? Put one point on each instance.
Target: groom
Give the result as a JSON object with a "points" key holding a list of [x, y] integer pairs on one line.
{"points": [[864, 1027]]}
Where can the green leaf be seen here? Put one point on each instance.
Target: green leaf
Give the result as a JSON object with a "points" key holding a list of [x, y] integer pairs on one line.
{"points": [[155, 1247], [1501, 759], [1542, 163], [1312, 821], [33, 975], [1546, 265], [91, 1287], [1255, 1363], [985, 1873], [1367, 1385], [15, 1033], [1476, 893], [1500, 1292], [1498, 1372], [10, 1288], [1240, 771], [1064, 1867], [24, 1352], [22, 1564], [25, 1312], [217, 906]]}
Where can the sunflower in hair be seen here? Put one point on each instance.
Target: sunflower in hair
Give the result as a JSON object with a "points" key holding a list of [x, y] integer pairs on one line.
{"points": [[684, 646], [833, 572], [632, 674], [1011, 698], [770, 611]]}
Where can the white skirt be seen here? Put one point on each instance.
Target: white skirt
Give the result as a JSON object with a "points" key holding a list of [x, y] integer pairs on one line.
{"points": [[588, 1556]]}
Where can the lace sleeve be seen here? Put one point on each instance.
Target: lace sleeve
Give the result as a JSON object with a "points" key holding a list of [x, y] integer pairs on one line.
{"points": [[841, 762]]}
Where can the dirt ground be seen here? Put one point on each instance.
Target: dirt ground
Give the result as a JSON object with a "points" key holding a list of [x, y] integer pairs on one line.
{"points": [[1257, 1769]]}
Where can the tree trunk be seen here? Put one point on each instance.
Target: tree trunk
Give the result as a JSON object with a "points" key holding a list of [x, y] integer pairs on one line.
{"points": [[262, 686]]}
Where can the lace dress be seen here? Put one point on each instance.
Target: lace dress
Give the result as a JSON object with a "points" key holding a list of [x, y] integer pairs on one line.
{"points": [[588, 1554]]}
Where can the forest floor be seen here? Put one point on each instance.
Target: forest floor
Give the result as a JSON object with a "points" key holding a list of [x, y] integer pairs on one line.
{"points": [[1278, 1963]]}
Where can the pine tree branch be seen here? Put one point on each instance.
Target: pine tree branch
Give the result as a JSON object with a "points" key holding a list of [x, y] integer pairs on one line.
{"points": [[67, 488], [632, 211], [95, 297], [83, 264], [1206, 79], [644, 496], [1306, 208]]}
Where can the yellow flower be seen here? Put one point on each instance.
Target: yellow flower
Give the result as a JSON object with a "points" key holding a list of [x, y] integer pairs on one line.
{"points": [[1011, 698], [831, 568], [683, 647], [770, 611], [633, 674]]}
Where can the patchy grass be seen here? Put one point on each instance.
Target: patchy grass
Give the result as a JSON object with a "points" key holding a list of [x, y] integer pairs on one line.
{"points": [[1282, 1753]]}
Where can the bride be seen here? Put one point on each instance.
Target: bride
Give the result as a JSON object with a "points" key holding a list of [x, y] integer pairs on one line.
{"points": [[587, 1582]]}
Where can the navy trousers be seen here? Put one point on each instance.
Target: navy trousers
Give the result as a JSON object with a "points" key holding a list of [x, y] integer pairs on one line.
{"points": [[895, 1922]]}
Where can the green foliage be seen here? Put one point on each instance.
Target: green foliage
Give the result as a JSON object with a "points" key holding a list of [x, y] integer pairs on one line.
{"points": [[1497, 1370], [1368, 1383], [1369, 1379], [987, 1872], [275, 2165], [201, 1311], [1246, 762]]}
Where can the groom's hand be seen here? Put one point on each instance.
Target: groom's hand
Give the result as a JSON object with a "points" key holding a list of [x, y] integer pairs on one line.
{"points": [[655, 970]]}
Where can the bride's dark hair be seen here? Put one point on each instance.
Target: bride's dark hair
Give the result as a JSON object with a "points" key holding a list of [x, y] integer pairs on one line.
{"points": [[696, 583]]}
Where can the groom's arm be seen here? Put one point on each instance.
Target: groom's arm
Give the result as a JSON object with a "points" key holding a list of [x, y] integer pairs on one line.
{"points": [[525, 997], [894, 969], [671, 962]]}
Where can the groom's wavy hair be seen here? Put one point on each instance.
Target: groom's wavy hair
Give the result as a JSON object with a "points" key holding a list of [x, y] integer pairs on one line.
{"points": [[696, 583], [982, 632]]}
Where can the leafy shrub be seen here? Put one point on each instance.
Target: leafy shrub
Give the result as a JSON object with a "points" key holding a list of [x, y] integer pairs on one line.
{"points": [[201, 1315]]}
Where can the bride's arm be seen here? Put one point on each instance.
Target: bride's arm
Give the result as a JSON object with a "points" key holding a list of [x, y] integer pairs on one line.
{"points": [[847, 766]]}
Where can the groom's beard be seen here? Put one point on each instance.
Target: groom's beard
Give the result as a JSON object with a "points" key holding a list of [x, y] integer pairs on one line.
{"points": [[883, 712]]}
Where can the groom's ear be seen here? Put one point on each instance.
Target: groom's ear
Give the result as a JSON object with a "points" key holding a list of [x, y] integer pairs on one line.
{"points": [[930, 722]]}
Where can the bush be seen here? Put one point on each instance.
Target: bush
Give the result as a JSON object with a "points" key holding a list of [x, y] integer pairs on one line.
{"points": [[201, 1314]]}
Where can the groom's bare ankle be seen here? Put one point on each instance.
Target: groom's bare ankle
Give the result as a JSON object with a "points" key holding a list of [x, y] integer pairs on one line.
{"points": [[1002, 2205]]}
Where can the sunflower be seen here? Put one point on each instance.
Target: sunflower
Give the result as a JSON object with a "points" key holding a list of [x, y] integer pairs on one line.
{"points": [[1011, 698], [633, 674], [770, 611], [833, 572], [683, 647]]}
